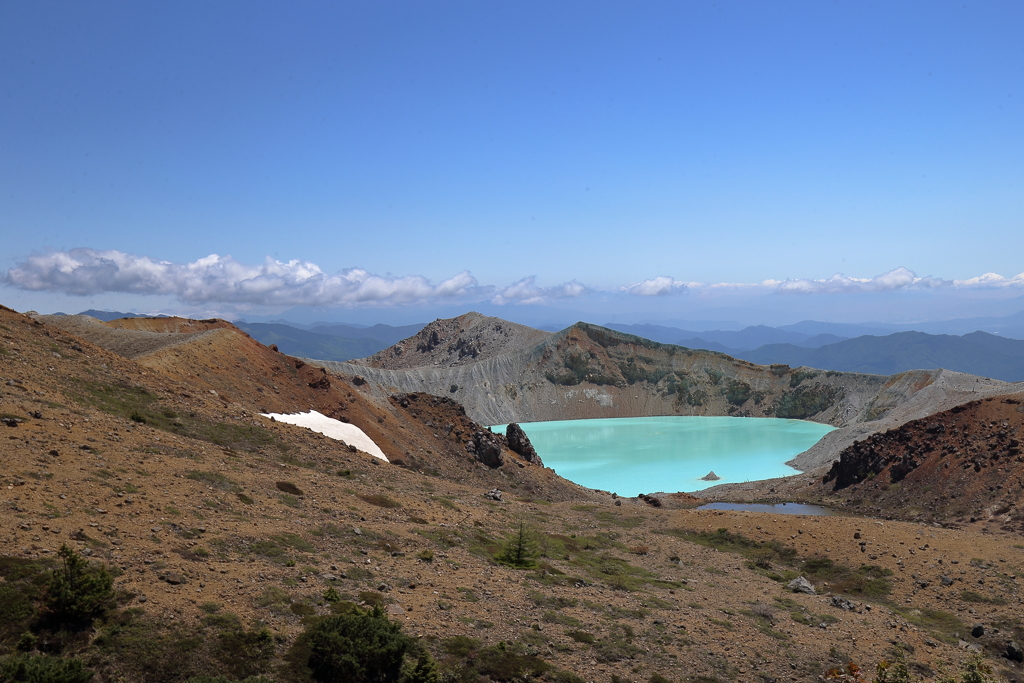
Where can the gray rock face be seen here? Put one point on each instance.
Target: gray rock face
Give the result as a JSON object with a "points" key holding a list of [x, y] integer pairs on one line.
{"points": [[519, 442], [801, 585]]}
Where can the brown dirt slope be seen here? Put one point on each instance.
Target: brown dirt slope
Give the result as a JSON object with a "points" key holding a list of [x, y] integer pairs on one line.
{"points": [[228, 368], [216, 519]]}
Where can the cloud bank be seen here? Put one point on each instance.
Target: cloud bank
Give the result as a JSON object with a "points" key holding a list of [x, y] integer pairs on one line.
{"points": [[223, 280], [895, 280]]}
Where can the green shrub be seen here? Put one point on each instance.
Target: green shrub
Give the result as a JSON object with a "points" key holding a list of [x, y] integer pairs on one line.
{"points": [[356, 648], [894, 671], [504, 663], [461, 646], [737, 392], [78, 592], [42, 669]]}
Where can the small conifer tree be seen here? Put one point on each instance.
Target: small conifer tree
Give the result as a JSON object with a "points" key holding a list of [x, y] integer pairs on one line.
{"points": [[78, 592], [520, 549]]}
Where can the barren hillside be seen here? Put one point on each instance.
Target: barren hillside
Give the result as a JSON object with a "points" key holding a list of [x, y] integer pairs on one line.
{"points": [[230, 535]]}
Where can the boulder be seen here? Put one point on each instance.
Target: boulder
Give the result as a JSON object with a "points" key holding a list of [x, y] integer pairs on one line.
{"points": [[493, 494], [1013, 652], [843, 603], [978, 630], [801, 585]]}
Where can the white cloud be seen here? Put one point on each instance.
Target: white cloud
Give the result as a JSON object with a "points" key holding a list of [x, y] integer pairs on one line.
{"points": [[656, 286], [990, 280], [526, 291], [897, 279], [222, 279]]}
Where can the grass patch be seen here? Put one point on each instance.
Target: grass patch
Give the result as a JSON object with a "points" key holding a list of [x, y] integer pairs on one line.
{"points": [[867, 581], [762, 554], [379, 499], [553, 617], [942, 625], [975, 597], [582, 637], [277, 547], [214, 479]]}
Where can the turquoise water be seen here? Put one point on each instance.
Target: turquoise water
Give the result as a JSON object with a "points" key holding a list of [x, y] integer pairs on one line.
{"points": [[635, 455]]}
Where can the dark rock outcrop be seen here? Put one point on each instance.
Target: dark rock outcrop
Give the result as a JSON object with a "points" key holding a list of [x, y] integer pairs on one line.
{"points": [[485, 446], [520, 444]]}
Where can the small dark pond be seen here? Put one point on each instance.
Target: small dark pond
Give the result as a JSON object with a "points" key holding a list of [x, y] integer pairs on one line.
{"points": [[778, 508]]}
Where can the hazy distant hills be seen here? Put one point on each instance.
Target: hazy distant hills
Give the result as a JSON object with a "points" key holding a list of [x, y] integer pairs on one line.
{"points": [[977, 353], [730, 341], [329, 342], [866, 348]]}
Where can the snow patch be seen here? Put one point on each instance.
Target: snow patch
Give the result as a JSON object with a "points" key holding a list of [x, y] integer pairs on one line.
{"points": [[335, 429]]}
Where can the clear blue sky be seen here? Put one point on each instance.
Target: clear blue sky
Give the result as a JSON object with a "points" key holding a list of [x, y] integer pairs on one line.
{"points": [[596, 143]]}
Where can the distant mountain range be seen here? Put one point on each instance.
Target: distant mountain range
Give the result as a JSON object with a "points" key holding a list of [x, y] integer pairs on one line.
{"points": [[873, 350], [869, 348], [813, 333], [977, 353]]}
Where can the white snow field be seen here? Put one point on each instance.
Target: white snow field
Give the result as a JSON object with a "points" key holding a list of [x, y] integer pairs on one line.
{"points": [[335, 429]]}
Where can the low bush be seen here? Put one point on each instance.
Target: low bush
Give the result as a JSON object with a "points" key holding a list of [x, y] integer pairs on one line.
{"points": [[360, 647], [30, 668]]}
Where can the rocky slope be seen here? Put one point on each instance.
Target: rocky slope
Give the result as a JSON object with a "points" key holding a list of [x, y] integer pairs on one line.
{"points": [[454, 342], [964, 465]]}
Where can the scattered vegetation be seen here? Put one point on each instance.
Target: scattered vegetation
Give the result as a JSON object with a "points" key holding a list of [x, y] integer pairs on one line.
{"points": [[737, 392], [139, 405], [806, 401]]}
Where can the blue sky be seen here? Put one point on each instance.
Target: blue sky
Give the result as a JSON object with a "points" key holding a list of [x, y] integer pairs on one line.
{"points": [[390, 160]]}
